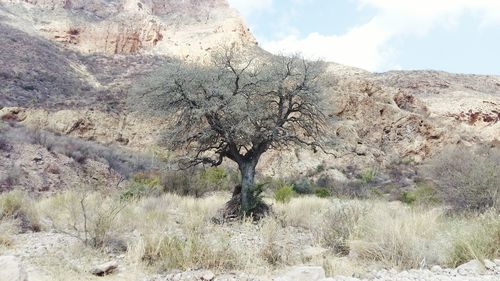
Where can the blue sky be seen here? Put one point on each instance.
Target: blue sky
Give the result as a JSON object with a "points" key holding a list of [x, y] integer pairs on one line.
{"points": [[461, 36]]}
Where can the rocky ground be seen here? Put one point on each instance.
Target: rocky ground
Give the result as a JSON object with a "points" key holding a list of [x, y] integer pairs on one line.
{"points": [[49, 256]]}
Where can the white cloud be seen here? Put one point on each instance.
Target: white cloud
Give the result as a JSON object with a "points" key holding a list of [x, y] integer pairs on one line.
{"points": [[248, 7], [367, 46]]}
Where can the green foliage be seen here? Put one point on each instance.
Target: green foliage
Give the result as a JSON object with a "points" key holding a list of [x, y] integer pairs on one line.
{"points": [[257, 208], [408, 197], [424, 194], [322, 192], [303, 186], [320, 168], [214, 178], [284, 194], [368, 176], [142, 184], [197, 182]]}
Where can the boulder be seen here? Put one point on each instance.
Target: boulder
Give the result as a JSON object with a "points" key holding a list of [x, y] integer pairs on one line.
{"points": [[489, 265], [472, 267], [207, 275], [105, 268], [11, 269], [302, 273]]}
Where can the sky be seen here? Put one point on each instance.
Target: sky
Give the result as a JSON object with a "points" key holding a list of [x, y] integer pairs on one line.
{"points": [[460, 36]]}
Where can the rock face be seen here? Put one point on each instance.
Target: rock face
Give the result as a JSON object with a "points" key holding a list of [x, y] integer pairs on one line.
{"points": [[187, 29]]}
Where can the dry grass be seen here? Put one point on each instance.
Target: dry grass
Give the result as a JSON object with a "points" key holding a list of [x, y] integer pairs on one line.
{"points": [[477, 237], [175, 232], [17, 205], [398, 236]]}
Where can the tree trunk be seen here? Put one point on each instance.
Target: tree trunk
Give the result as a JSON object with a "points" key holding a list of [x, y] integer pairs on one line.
{"points": [[247, 170]]}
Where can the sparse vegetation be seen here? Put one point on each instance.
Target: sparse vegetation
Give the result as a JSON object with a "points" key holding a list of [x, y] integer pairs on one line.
{"points": [[17, 206], [123, 162], [468, 178], [284, 194], [86, 215]]}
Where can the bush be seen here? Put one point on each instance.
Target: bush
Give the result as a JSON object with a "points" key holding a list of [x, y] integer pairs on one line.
{"points": [[354, 189], [284, 194], [468, 178], [215, 179], [197, 182], [424, 194], [142, 184], [339, 224], [368, 176], [303, 186], [322, 192], [16, 205], [88, 216], [4, 144]]}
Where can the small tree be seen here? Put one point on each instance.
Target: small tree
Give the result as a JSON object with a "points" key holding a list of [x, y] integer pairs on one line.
{"points": [[239, 107]]}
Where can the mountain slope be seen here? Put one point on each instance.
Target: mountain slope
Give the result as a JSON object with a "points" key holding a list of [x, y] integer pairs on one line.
{"points": [[68, 65]]}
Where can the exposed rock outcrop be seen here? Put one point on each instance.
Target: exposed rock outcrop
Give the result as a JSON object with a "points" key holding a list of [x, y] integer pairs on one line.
{"points": [[186, 29]]}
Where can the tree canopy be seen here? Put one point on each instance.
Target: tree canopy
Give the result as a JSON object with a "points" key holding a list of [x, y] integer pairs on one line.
{"points": [[240, 106]]}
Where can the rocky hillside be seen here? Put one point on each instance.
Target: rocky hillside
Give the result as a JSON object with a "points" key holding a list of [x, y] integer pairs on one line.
{"points": [[188, 29], [67, 67]]}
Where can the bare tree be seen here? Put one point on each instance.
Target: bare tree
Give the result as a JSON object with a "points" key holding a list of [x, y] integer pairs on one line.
{"points": [[239, 107]]}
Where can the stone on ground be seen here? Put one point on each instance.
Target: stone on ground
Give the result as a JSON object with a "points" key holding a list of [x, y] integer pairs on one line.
{"points": [[301, 273], [11, 269], [105, 268]]}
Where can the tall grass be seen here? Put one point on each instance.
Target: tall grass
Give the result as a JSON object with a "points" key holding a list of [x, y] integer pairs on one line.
{"points": [[176, 232]]}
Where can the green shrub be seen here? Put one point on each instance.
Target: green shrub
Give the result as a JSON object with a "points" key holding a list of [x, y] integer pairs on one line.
{"points": [[368, 176], [424, 194], [284, 194], [142, 184], [408, 197], [303, 186], [197, 182], [214, 179], [322, 192]]}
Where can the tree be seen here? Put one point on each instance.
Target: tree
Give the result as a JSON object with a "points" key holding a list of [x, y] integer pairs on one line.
{"points": [[239, 107]]}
